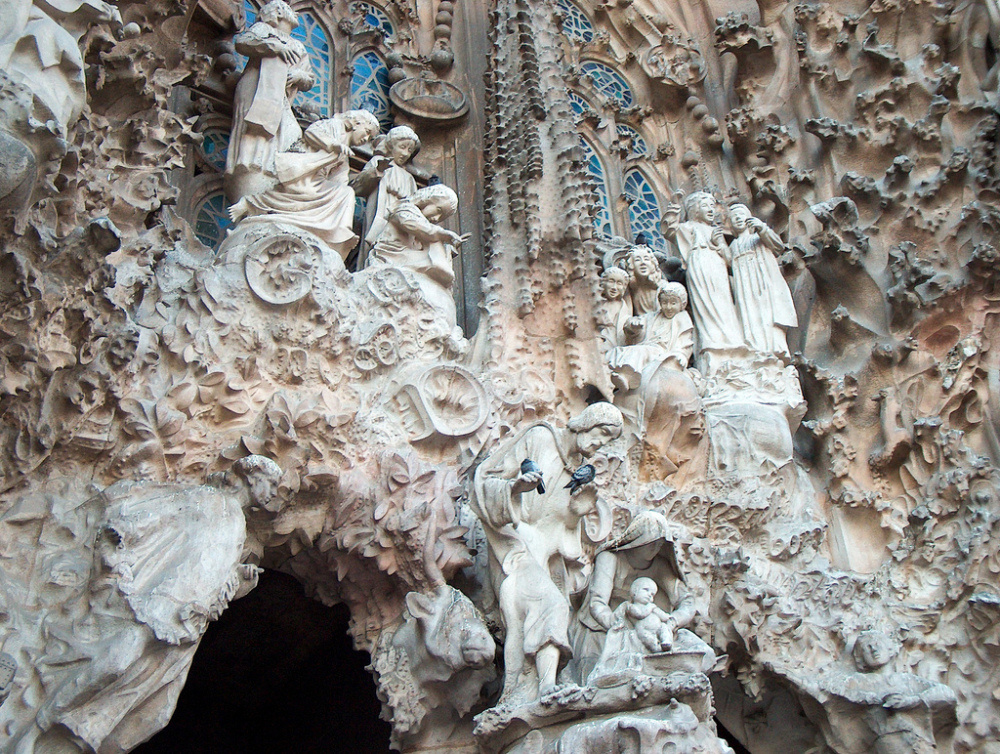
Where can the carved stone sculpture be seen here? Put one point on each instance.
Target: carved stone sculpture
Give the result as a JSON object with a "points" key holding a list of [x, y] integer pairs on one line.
{"points": [[530, 533], [263, 122], [763, 301], [702, 247], [312, 191], [40, 49], [412, 239], [385, 181]]}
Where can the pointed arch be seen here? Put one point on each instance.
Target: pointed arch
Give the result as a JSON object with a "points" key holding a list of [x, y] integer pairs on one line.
{"points": [[608, 82], [575, 24], [370, 86], [644, 209], [603, 226]]}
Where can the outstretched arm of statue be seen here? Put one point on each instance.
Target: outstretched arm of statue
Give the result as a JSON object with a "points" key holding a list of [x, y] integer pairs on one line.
{"points": [[261, 41]]}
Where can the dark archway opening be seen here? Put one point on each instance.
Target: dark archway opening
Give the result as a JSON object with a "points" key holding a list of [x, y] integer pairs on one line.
{"points": [[276, 674]]}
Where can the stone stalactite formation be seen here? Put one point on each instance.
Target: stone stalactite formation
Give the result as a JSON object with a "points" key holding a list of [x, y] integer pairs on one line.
{"points": [[626, 368]]}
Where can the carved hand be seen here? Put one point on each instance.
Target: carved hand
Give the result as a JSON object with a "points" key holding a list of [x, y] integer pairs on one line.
{"points": [[525, 482], [718, 236], [901, 701]]}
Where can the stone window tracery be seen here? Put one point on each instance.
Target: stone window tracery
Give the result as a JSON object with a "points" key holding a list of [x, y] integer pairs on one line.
{"points": [[212, 220], [370, 86], [609, 82], [215, 147], [633, 140], [595, 169], [376, 18], [643, 210], [312, 34], [575, 23]]}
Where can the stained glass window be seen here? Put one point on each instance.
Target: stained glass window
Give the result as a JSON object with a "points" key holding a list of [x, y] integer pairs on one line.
{"points": [[602, 221], [637, 144], [608, 82], [376, 18], [212, 220], [250, 9], [215, 146], [579, 104], [643, 210], [575, 23], [370, 87], [310, 33]]}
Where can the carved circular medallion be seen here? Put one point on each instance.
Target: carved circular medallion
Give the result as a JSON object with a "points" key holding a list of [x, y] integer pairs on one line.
{"points": [[429, 99], [280, 269], [456, 402]]}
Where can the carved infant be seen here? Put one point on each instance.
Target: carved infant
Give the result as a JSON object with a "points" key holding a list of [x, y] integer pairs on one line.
{"points": [[654, 627]]}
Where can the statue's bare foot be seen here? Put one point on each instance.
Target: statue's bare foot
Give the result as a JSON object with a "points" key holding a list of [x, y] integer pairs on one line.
{"points": [[560, 694]]}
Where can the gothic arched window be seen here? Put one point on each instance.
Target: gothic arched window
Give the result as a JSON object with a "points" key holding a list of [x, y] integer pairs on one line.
{"points": [[602, 220], [212, 220], [370, 86], [579, 104], [636, 144], [376, 18], [643, 210], [575, 23], [312, 34], [215, 147], [608, 82]]}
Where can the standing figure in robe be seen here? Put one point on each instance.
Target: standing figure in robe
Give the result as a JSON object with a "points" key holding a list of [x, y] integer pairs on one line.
{"points": [[703, 248], [763, 300], [386, 181], [263, 122], [533, 525]]}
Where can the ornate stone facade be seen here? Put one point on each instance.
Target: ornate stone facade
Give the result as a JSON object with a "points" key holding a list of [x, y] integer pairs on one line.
{"points": [[625, 367]]}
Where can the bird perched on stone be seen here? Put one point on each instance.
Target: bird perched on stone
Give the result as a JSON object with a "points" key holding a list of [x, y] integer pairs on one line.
{"points": [[530, 467], [583, 475]]}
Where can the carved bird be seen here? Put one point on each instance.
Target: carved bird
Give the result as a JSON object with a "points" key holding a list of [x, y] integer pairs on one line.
{"points": [[583, 475], [530, 467]]}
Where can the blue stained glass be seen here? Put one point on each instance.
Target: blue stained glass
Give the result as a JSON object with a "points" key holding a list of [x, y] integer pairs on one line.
{"points": [[609, 82], [370, 87], [250, 10], [212, 220], [215, 147], [310, 33], [602, 220], [637, 144], [376, 18], [644, 210], [579, 104], [575, 23]]}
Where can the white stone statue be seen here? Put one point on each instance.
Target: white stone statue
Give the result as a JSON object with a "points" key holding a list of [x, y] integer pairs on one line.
{"points": [[608, 641], [263, 122], [617, 306], [386, 181], [878, 711], [533, 525], [413, 239], [312, 192], [703, 248], [645, 276], [762, 298], [40, 48]]}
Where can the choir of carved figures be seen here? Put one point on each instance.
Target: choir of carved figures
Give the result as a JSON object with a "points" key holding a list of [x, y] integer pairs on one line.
{"points": [[385, 181], [312, 190], [40, 49], [412, 239], [535, 538], [263, 122]]}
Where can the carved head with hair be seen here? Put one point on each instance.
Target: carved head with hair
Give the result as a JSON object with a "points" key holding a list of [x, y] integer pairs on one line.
{"points": [[700, 207], [873, 650], [643, 266], [438, 195], [279, 10], [595, 427], [672, 298], [400, 144], [362, 125]]}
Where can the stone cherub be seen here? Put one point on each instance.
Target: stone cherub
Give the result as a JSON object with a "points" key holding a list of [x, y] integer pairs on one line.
{"points": [[536, 554], [653, 627]]}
